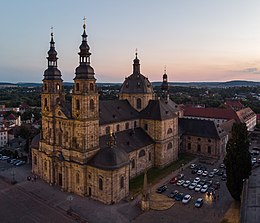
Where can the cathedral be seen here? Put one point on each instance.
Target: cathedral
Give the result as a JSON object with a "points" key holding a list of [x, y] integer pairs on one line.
{"points": [[92, 147]]}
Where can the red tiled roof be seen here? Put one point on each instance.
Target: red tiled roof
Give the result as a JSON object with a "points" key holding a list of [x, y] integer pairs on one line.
{"points": [[234, 104], [215, 113], [11, 117]]}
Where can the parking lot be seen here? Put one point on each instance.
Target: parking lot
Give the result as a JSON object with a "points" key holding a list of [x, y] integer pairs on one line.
{"points": [[215, 184], [212, 210]]}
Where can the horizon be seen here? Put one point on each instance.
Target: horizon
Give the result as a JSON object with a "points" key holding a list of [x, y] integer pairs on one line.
{"points": [[210, 41], [172, 82]]}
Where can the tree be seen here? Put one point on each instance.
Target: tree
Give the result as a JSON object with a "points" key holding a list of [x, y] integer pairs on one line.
{"points": [[237, 160]]}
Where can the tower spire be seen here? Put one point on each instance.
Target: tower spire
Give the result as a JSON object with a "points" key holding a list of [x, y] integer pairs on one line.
{"points": [[164, 86], [136, 65], [52, 71]]}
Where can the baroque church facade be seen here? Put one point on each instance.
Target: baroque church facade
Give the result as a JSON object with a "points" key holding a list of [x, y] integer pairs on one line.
{"points": [[92, 147]]}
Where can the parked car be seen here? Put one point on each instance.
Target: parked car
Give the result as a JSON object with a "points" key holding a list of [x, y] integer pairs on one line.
{"points": [[199, 172], [211, 174], [186, 183], [192, 186], [199, 202], [220, 173], [202, 182], [180, 182], [215, 171], [180, 176], [193, 165], [179, 196], [205, 173], [224, 177], [174, 180], [186, 199], [5, 157], [222, 165], [196, 180], [204, 188], [216, 185], [198, 188], [173, 194], [161, 189]]}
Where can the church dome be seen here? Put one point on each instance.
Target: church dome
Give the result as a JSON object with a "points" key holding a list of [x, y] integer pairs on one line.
{"points": [[136, 83], [110, 157]]}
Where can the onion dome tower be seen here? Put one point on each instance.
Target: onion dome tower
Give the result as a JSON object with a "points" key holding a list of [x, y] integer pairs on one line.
{"points": [[165, 86], [85, 99], [52, 91], [136, 88]]}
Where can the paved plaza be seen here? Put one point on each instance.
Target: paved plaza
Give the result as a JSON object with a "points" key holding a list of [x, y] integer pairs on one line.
{"points": [[28, 201]]}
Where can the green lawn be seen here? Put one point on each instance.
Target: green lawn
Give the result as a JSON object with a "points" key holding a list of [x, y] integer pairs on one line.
{"points": [[154, 175]]}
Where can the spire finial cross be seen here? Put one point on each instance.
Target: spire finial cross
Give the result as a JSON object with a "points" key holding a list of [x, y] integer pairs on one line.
{"points": [[165, 69], [52, 31], [136, 52], [84, 25]]}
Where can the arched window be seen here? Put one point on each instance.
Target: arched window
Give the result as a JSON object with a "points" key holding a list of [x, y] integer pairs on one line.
{"points": [[91, 87], [199, 139], [100, 184], [169, 146], [117, 127], [127, 125], [138, 103], [122, 182], [133, 163], [77, 178], [91, 105], [45, 166], [150, 156], [77, 86], [135, 124], [45, 87], [198, 148], [141, 153], [189, 146], [169, 131], [107, 129], [209, 149], [77, 104], [35, 160], [45, 102], [58, 87]]}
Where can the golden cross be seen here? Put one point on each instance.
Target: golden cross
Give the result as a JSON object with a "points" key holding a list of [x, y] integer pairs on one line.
{"points": [[52, 31]]}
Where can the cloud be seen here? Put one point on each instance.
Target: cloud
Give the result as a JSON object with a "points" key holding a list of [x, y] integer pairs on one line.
{"points": [[251, 70]]}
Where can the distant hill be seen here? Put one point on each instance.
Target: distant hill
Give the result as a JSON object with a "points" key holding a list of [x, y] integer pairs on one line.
{"points": [[234, 83]]}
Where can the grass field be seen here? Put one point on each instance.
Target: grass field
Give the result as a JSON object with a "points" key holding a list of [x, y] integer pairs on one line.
{"points": [[154, 175]]}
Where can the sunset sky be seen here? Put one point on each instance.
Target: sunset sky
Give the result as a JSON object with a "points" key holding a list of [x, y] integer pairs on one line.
{"points": [[197, 40]]}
